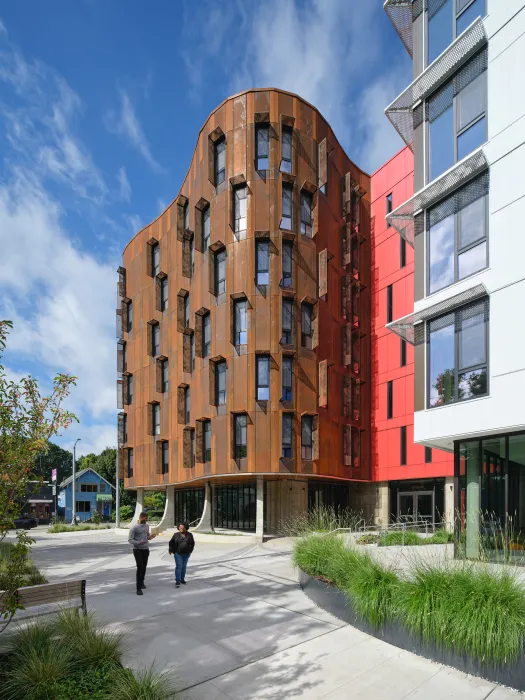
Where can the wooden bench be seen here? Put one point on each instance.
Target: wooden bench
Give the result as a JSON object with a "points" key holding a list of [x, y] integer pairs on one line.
{"points": [[46, 594]]}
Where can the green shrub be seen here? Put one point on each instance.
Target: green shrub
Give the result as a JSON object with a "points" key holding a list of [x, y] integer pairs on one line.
{"points": [[35, 670], [368, 539], [28, 573], [146, 684], [399, 538], [372, 590], [92, 645], [96, 517], [440, 537], [87, 684], [126, 512], [54, 529]]}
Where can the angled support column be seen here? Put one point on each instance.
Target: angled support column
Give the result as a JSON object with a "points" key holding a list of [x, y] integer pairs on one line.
{"points": [[259, 516], [139, 506]]}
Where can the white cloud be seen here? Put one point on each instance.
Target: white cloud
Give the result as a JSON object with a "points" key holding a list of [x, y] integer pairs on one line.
{"points": [[127, 125], [93, 438], [125, 187]]}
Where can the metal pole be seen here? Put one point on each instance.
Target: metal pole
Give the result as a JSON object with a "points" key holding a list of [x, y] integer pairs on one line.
{"points": [[73, 492], [117, 494]]}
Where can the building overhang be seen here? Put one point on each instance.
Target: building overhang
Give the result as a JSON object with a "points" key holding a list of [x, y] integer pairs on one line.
{"points": [[402, 218], [402, 14], [407, 326], [399, 112]]}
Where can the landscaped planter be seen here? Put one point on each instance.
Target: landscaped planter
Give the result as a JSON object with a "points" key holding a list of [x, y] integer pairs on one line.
{"points": [[334, 601]]}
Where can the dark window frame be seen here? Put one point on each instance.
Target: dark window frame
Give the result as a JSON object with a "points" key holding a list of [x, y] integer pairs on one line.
{"points": [[403, 445], [187, 405], [285, 160], [390, 399], [165, 457], [262, 390], [262, 276], [219, 263], [206, 228], [240, 330], [164, 370], [287, 333], [240, 223], [307, 329], [240, 423], [130, 463], [219, 147], [307, 206], [206, 331], [287, 274], [307, 441], [287, 221], [164, 295], [287, 446], [155, 259], [155, 417], [206, 433], [287, 389], [402, 252], [389, 208], [221, 369], [155, 339], [428, 455], [262, 159], [403, 352], [390, 303]]}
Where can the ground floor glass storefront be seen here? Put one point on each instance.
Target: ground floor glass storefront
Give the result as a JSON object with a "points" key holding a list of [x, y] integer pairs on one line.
{"points": [[329, 495], [235, 507], [417, 501], [189, 504], [490, 497]]}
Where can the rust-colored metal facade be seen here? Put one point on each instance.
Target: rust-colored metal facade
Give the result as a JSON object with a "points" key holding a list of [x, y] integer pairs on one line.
{"points": [[331, 272]]}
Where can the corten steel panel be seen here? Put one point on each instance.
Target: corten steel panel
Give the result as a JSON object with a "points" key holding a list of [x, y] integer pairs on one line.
{"points": [[396, 177], [236, 118]]}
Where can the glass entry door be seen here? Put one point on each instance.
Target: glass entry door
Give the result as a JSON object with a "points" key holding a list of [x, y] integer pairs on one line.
{"points": [[415, 506]]}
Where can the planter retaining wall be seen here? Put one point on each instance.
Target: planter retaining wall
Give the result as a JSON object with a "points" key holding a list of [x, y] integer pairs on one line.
{"points": [[334, 601]]}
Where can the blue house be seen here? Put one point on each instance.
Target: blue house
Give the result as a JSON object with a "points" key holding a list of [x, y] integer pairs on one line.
{"points": [[93, 493]]}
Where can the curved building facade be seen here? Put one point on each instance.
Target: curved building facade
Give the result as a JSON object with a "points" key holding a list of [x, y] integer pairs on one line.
{"points": [[243, 324]]}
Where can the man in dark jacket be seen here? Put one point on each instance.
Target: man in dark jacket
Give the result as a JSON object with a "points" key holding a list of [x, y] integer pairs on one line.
{"points": [[139, 537], [181, 545]]}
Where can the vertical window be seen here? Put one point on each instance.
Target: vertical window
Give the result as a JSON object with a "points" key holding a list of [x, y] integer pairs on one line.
{"points": [[287, 445], [156, 419], [287, 262], [390, 399], [164, 294], [187, 215], [287, 322], [440, 29], [187, 311], [388, 208], [389, 304], [155, 339], [240, 435], [125, 428], [206, 335], [165, 376], [402, 252], [403, 450], [307, 428], [130, 463], [192, 447], [220, 272], [192, 257], [286, 149], [263, 378], [192, 352], [306, 213], [130, 316], [240, 325], [287, 378], [262, 261], [165, 457], [220, 383], [403, 361], [130, 388], [307, 327], [220, 161], [287, 207], [155, 260], [206, 439], [239, 208], [262, 146], [187, 404], [466, 15], [206, 229], [428, 455]]}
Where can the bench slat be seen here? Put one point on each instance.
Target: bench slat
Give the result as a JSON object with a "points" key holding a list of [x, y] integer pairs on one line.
{"points": [[32, 596]]}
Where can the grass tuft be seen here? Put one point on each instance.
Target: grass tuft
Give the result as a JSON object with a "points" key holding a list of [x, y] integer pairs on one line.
{"points": [[321, 519], [398, 538], [146, 684]]}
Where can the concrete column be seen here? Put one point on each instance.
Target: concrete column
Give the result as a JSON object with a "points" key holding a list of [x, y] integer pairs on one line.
{"points": [[168, 517], [205, 523], [259, 517], [382, 509], [449, 514], [139, 506], [473, 499]]}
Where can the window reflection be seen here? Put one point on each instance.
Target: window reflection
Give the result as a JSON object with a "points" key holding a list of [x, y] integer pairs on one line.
{"points": [[441, 246]]}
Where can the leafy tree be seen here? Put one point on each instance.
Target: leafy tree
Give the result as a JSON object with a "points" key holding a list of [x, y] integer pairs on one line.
{"points": [[54, 457]]}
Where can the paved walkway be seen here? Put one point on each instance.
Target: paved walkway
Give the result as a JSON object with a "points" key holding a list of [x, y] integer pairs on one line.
{"points": [[242, 628]]}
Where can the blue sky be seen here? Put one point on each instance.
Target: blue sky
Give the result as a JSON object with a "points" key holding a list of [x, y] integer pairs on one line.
{"points": [[100, 106]]}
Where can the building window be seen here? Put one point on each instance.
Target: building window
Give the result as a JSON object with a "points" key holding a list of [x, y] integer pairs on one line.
{"points": [[307, 326], [287, 378], [287, 207], [390, 399], [306, 213], [241, 422], [428, 455], [262, 262], [156, 419], [263, 378], [388, 208], [402, 252], [220, 383], [192, 352], [403, 361], [262, 146], [102, 488], [187, 215], [458, 352], [457, 116], [88, 488], [192, 447], [155, 259], [287, 264], [206, 335], [403, 445], [286, 149], [165, 376], [287, 441], [206, 437], [307, 429], [187, 311], [83, 506], [164, 294], [124, 428], [130, 463], [287, 322], [389, 304], [447, 20], [192, 256], [206, 229], [240, 222], [130, 388], [239, 322], [155, 339], [457, 235], [220, 272], [220, 161], [187, 404], [165, 457], [130, 317]]}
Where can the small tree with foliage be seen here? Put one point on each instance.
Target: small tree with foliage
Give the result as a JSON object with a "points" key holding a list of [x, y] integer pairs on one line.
{"points": [[27, 421]]}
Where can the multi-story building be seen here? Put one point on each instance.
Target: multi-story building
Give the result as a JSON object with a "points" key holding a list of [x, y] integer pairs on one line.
{"points": [[463, 116], [244, 324]]}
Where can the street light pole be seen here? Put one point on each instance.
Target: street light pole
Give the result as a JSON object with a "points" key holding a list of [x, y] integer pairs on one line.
{"points": [[117, 492], [73, 492]]}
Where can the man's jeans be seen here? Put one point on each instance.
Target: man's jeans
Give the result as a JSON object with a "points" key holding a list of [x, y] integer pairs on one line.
{"points": [[181, 562], [141, 557]]}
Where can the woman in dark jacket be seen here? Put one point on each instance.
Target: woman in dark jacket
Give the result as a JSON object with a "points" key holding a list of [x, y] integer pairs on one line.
{"points": [[181, 545]]}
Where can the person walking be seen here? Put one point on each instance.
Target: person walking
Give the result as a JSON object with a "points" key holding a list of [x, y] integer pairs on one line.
{"points": [[181, 546], [140, 537]]}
